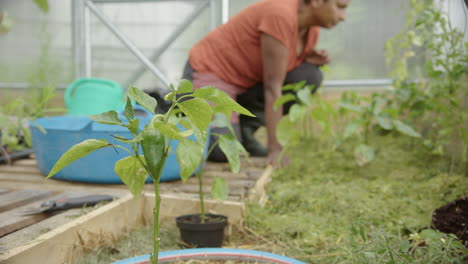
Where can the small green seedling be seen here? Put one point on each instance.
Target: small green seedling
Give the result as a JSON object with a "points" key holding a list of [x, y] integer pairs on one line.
{"points": [[370, 112], [156, 137], [230, 146]]}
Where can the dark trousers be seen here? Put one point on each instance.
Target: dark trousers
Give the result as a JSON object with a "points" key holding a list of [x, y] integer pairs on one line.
{"points": [[254, 101]]}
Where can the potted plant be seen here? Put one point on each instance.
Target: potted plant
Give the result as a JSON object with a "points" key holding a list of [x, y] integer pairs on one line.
{"points": [[202, 229], [154, 140]]}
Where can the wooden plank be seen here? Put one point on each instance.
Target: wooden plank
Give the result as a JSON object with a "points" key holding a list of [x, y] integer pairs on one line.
{"points": [[258, 193], [25, 162], [207, 181], [225, 174], [2, 191], [18, 198], [19, 169], [12, 220], [66, 243], [21, 177], [27, 234], [183, 188]]}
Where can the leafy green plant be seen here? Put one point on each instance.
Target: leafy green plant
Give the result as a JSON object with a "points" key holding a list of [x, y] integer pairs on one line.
{"points": [[305, 108], [373, 245], [155, 139], [437, 100], [370, 113], [229, 145], [15, 115]]}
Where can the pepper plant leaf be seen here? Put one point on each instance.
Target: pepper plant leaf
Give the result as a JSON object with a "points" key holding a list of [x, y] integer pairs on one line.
{"points": [[219, 109], [136, 139], [284, 131], [129, 112], [185, 86], [169, 130], [305, 96], [108, 118], [405, 129], [134, 126], [384, 122], [198, 111], [284, 99], [142, 98], [189, 155], [230, 146], [350, 107], [132, 172], [212, 94], [297, 112], [351, 129], [76, 152], [219, 189]]}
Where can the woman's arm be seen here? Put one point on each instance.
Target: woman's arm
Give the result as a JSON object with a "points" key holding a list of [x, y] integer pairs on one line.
{"points": [[275, 59]]}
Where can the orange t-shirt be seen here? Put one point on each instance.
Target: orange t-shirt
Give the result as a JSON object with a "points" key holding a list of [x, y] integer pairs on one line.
{"points": [[232, 51]]}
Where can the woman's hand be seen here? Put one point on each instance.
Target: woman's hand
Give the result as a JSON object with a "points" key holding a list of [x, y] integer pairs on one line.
{"points": [[276, 159], [318, 57]]}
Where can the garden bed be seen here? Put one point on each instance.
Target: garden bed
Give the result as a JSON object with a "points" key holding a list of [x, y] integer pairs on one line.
{"points": [[323, 208], [63, 237]]}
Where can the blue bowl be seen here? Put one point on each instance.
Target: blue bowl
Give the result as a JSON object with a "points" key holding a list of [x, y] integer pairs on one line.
{"points": [[98, 167]]}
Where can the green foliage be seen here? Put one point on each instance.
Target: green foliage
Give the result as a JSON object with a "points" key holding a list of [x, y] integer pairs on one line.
{"points": [[15, 115], [314, 201], [76, 152], [296, 126], [43, 5], [156, 137], [437, 100], [372, 245], [368, 114], [219, 189]]}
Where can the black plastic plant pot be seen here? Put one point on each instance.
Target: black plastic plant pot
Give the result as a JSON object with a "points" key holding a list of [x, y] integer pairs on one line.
{"points": [[196, 234]]}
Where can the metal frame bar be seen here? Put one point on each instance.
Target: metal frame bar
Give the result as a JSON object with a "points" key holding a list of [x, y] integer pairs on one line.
{"points": [[177, 32], [87, 41], [213, 14], [128, 43], [224, 11], [136, 1], [81, 43], [76, 36]]}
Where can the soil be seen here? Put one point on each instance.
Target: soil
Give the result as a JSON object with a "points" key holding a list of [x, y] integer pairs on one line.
{"points": [[452, 218]]}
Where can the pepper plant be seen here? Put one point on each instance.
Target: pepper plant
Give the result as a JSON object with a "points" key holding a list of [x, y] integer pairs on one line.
{"points": [[155, 139], [370, 113], [304, 107], [433, 96]]}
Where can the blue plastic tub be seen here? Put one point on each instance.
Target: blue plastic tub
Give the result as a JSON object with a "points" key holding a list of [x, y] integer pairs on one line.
{"points": [[98, 167]]}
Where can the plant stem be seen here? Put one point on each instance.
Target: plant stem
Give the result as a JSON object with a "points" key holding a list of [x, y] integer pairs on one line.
{"points": [[157, 205], [202, 200]]}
